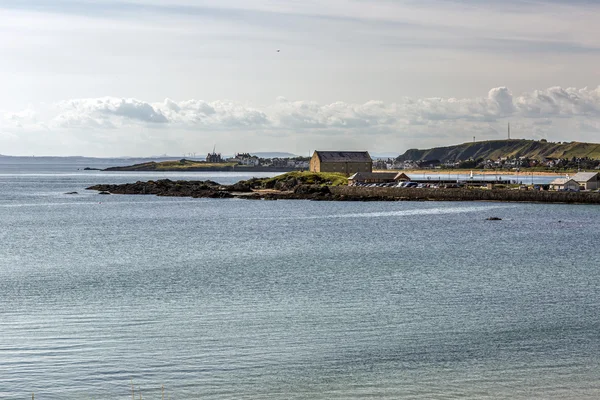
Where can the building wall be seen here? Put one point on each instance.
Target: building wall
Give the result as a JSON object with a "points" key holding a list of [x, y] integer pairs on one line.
{"points": [[315, 163], [347, 168], [592, 185]]}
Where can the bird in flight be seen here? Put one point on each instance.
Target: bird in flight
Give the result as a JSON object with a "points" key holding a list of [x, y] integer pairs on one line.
{"points": [[278, 50]]}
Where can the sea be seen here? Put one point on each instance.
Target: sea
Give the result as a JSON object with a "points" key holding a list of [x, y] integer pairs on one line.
{"points": [[120, 297]]}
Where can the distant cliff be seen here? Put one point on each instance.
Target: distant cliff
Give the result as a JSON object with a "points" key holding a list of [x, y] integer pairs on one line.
{"points": [[494, 149]]}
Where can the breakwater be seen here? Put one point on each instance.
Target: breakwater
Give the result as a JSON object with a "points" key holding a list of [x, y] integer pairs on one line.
{"points": [[251, 190], [461, 194]]}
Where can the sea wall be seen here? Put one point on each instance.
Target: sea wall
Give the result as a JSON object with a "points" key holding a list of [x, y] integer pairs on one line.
{"points": [[460, 194]]}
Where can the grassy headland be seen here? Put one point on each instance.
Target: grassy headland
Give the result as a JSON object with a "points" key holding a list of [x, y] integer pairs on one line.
{"points": [[511, 148], [175, 165]]}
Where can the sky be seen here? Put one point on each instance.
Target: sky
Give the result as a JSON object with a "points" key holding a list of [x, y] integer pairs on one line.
{"points": [[147, 77]]}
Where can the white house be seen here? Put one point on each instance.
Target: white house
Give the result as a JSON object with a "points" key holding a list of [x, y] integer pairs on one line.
{"points": [[564, 184]]}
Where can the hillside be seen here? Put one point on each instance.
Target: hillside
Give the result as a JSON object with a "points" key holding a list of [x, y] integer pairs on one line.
{"points": [[494, 149], [183, 164]]}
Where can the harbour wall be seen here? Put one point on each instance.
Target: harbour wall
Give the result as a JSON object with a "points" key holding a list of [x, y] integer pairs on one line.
{"points": [[462, 194]]}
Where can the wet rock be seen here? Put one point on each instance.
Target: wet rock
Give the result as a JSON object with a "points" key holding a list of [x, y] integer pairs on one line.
{"points": [[312, 189], [240, 187], [493, 219]]}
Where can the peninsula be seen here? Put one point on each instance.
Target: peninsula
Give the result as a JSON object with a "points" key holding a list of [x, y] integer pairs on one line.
{"points": [[334, 187], [214, 162], [185, 165]]}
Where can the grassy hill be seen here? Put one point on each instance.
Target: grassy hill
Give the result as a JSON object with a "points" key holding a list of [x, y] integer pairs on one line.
{"points": [[179, 165], [494, 149], [290, 180]]}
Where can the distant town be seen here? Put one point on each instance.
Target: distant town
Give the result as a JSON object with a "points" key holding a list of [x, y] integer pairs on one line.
{"points": [[247, 159]]}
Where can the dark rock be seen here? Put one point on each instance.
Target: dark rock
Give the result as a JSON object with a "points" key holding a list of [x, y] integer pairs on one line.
{"points": [[493, 219], [253, 196], [241, 187], [71, 193], [312, 189], [220, 195]]}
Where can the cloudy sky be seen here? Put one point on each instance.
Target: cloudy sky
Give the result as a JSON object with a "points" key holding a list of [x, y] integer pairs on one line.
{"points": [[147, 77]]}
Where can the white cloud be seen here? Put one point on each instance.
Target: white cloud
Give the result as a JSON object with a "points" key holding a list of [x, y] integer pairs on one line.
{"points": [[106, 112], [408, 122], [112, 113], [559, 102]]}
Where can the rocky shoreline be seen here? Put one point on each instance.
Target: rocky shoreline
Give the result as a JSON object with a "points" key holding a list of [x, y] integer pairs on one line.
{"points": [[255, 189], [244, 190]]}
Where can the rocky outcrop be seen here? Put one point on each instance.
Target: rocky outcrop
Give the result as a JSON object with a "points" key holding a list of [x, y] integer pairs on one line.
{"points": [[245, 190], [166, 187]]}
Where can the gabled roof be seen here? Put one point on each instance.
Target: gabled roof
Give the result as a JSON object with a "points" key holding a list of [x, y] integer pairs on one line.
{"points": [[373, 175], [584, 176], [402, 176], [343, 156], [563, 181]]}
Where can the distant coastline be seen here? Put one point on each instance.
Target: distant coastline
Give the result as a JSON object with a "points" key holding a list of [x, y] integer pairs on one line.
{"points": [[185, 165], [237, 168]]}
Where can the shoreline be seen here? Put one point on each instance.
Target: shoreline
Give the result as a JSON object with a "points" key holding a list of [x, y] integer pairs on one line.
{"points": [[249, 191], [477, 172]]}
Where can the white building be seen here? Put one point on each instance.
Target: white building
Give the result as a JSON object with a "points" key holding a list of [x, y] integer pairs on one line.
{"points": [[588, 180], [564, 184]]}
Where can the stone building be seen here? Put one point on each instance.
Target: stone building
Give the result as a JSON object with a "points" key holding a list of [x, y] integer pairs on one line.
{"points": [[214, 157], [345, 162]]}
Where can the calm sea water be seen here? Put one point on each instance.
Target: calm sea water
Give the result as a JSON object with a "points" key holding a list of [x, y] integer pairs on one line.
{"points": [[234, 299]]}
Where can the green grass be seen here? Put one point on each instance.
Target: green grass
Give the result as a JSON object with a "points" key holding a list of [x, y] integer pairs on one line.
{"points": [[176, 165], [308, 178], [187, 164], [494, 149]]}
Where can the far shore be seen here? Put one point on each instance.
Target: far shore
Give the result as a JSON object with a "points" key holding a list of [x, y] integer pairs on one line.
{"points": [[477, 172]]}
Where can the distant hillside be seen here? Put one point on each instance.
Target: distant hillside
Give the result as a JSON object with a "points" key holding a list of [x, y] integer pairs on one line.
{"points": [[494, 149]]}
